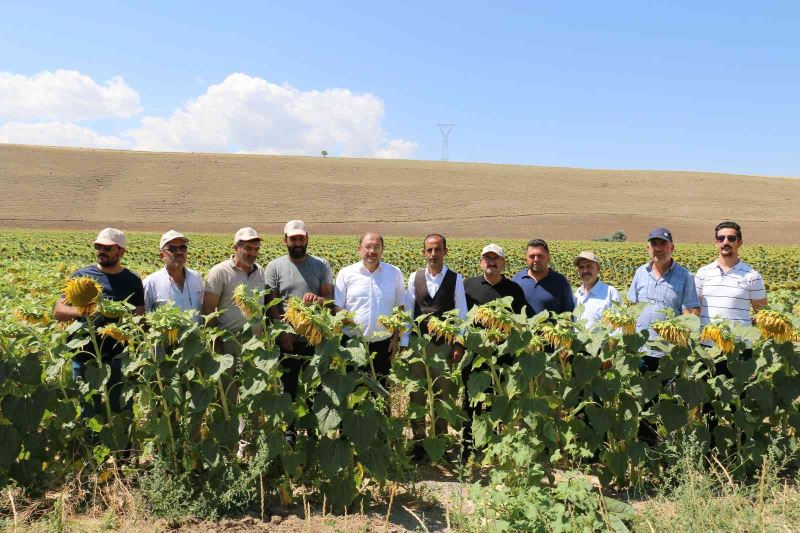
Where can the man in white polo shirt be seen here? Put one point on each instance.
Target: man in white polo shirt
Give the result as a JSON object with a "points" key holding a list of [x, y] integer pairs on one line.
{"points": [[729, 287], [594, 294], [370, 289], [223, 278], [174, 283]]}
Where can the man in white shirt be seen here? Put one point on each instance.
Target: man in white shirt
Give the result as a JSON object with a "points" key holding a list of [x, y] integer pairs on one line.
{"points": [[594, 295], [370, 289], [435, 289], [729, 287], [174, 283]]}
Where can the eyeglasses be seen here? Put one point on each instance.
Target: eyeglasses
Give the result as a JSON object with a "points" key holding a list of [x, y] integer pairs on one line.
{"points": [[105, 247], [177, 248], [731, 238]]}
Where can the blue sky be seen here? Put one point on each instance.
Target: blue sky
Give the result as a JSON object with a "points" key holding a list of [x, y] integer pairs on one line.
{"points": [[650, 85]]}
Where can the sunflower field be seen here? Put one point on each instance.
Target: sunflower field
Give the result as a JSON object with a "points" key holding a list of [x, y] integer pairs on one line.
{"points": [[553, 396]]}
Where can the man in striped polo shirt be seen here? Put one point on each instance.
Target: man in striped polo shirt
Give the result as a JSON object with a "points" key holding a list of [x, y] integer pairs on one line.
{"points": [[728, 287]]}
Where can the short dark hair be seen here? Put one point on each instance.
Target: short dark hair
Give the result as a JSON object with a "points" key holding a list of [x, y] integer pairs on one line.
{"points": [[729, 224], [444, 241], [537, 243], [361, 240]]}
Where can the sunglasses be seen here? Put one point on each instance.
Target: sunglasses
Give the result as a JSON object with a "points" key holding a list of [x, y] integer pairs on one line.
{"points": [[177, 248], [731, 238], [105, 247]]}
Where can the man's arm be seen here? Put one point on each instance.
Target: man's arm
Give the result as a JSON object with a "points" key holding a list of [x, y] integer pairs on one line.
{"points": [[64, 312], [409, 304], [567, 298], [210, 303], [690, 302], [758, 293]]}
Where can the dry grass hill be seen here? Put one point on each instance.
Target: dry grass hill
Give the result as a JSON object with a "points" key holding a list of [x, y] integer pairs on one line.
{"points": [[69, 188]]}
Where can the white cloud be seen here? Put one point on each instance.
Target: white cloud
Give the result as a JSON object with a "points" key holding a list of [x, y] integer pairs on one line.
{"points": [[252, 115], [57, 134], [64, 95]]}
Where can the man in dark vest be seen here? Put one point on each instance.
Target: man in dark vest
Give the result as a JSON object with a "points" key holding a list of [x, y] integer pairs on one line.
{"points": [[435, 289]]}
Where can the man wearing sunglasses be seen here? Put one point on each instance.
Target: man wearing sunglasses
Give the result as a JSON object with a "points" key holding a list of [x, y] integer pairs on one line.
{"points": [[119, 284], [174, 283], [729, 287]]}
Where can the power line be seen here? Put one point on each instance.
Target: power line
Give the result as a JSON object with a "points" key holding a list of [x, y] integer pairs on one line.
{"points": [[445, 129]]}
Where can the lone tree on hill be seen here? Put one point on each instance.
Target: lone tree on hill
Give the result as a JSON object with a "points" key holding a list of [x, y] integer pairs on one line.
{"points": [[324, 153]]}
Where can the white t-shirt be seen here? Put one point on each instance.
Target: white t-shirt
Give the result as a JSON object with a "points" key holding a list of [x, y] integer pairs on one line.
{"points": [[728, 295]]}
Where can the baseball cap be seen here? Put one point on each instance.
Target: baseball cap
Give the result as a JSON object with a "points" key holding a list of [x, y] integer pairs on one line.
{"points": [[109, 236], [493, 248], [171, 235], [660, 233], [246, 234], [295, 227], [586, 255]]}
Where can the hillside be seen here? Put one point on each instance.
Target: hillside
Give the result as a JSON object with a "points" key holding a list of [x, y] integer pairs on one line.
{"points": [[71, 188]]}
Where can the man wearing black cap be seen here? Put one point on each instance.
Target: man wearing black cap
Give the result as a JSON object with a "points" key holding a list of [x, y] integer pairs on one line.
{"points": [[662, 283]]}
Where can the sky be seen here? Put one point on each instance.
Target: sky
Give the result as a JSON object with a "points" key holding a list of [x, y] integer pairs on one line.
{"points": [[680, 85]]}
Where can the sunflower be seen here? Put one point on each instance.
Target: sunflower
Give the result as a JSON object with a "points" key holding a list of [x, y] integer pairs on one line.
{"points": [[720, 334], [774, 325], [82, 293], [673, 332]]}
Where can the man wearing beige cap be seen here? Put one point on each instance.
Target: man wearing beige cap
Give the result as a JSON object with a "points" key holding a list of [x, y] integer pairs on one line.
{"points": [[174, 283], [223, 278], [594, 296], [118, 284], [303, 276]]}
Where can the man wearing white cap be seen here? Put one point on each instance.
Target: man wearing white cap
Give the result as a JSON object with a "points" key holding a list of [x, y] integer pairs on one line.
{"points": [[479, 290], [303, 276], [223, 278], [118, 284], [594, 296], [174, 283]]}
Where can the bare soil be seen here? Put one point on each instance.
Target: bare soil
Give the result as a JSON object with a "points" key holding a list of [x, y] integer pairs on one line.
{"points": [[73, 188]]}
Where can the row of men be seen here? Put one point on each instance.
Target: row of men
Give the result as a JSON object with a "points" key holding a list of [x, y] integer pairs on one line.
{"points": [[726, 288]]}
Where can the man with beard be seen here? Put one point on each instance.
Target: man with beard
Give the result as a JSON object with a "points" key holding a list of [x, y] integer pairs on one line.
{"points": [[370, 289], [661, 283], [304, 276], [729, 287], [174, 283], [545, 289], [119, 284], [223, 278]]}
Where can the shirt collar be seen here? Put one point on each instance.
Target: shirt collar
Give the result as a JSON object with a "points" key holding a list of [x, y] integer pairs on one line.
{"points": [[666, 272], [738, 266], [233, 264], [365, 270], [438, 276], [593, 290]]}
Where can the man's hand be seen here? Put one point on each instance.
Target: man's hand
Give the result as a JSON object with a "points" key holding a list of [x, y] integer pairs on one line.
{"points": [[310, 298], [458, 353], [286, 340]]}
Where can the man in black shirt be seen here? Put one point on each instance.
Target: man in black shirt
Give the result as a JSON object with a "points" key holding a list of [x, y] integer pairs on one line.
{"points": [[118, 284], [481, 290]]}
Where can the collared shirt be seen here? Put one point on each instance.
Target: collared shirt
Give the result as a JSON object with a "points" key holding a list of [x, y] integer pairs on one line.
{"points": [[594, 301], [674, 289], [552, 293], [479, 291], [433, 283], [222, 280], [369, 295], [728, 295], [159, 289], [288, 278]]}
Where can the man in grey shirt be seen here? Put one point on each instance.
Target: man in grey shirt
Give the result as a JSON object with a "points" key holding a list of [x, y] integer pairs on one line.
{"points": [[305, 276]]}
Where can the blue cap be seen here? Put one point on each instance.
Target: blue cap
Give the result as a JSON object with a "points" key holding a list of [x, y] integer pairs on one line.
{"points": [[660, 233]]}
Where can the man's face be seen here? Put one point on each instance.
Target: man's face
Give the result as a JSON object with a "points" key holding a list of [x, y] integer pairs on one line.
{"points": [[538, 259], [370, 249], [174, 253], [246, 252], [435, 252], [492, 264], [589, 271], [725, 246], [660, 250], [108, 255], [296, 245]]}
